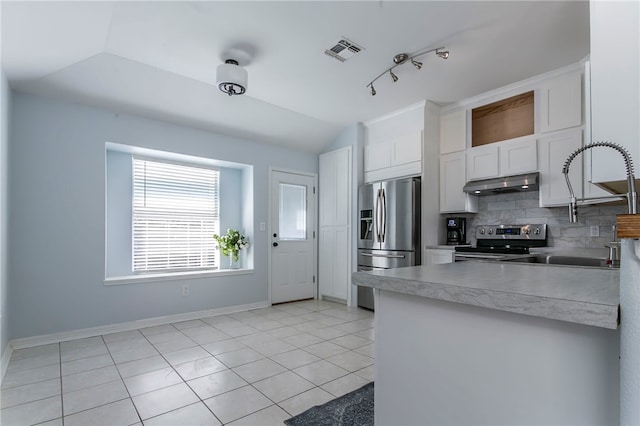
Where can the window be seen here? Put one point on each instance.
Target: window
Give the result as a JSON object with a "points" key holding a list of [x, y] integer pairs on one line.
{"points": [[175, 213]]}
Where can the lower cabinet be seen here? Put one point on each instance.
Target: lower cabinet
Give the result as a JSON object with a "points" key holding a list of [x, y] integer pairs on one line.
{"points": [[438, 256], [334, 261]]}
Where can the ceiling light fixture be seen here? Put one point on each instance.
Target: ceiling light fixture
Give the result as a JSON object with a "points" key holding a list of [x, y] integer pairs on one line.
{"points": [[231, 78], [401, 58]]}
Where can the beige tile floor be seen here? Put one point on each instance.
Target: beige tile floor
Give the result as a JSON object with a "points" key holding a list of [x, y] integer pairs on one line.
{"points": [[257, 367]]}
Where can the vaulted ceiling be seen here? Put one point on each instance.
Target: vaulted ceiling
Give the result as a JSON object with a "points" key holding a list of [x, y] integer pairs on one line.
{"points": [[159, 59]]}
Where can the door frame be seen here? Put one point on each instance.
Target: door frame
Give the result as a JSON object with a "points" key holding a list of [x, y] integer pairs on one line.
{"points": [[314, 225]]}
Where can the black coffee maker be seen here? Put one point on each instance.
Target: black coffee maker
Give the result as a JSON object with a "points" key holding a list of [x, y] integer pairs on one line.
{"points": [[456, 231]]}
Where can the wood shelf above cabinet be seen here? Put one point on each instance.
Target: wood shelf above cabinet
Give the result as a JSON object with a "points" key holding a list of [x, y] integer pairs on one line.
{"points": [[502, 120]]}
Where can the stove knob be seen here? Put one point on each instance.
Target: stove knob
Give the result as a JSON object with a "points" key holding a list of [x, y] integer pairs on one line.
{"points": [[527, 231], [537, 231], [490, 231], [482, 231]]}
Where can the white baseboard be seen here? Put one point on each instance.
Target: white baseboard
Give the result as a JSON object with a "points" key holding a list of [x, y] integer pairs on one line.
{"points": [[4, 363], [46, 339]]}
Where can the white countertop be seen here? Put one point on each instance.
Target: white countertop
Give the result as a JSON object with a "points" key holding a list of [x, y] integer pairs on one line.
{"points": [[588, 296]]}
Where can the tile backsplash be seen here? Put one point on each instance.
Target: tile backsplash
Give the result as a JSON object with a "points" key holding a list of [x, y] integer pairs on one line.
{"points": [[522, 207]]}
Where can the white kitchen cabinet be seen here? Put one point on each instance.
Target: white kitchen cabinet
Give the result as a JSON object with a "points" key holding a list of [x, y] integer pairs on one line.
{"points": [[554, 151], [482, 162], [453, 131], [335, 197], [334, 263], [452, 179], [561, 102], [518, 156], [502, 159], [615, 67], [394, 158], [438, 256]]}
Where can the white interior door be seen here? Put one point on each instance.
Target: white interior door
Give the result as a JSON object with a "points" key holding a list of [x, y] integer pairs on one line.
{"points": [[293, 218]]}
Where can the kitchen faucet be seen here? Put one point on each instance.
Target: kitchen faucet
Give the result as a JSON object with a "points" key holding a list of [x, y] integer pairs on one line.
{"points": [[631, 195]]}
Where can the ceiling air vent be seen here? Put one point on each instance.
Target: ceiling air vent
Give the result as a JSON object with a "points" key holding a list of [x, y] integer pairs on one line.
{"points": [[343, 50]]}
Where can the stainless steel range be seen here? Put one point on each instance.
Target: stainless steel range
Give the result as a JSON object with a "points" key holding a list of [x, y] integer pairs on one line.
{"points": [[503, 242]]}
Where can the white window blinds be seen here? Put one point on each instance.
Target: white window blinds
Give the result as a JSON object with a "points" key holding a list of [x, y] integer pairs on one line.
{"points": [[175, 214]]}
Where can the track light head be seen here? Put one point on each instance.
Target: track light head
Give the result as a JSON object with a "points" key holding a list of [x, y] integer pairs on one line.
{"points": [[444, 54], [373, 91], [393, 76], [416, 64]]}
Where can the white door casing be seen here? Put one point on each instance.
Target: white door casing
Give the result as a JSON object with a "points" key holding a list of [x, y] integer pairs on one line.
{"points": [[292, 236]]}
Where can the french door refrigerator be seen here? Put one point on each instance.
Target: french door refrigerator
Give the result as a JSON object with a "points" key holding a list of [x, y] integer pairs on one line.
{"points": [[389, 228]]}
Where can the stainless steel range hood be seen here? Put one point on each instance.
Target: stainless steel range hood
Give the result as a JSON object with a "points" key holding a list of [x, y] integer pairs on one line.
{"points": [[518, 183]]}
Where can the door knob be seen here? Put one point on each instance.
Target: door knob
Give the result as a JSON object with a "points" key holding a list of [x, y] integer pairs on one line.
{"points": [[275, 244]]}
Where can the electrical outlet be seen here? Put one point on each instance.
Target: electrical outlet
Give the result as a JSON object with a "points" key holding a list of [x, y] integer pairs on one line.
{"points": [[185, 290], [595, 231]]}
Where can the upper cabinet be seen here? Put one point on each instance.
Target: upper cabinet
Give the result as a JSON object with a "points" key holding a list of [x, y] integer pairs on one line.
{"points": [[554, 150], [615, 67], [452, 179], [393, 148], [502, 159], [561, 103], [453, 131]]}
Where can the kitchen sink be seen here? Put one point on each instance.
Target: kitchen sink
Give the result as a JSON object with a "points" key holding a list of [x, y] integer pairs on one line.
{"points": [[550, 259]]}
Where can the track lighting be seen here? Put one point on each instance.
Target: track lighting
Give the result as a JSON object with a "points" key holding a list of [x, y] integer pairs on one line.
{"points": [[444, 54], [401, 58]]}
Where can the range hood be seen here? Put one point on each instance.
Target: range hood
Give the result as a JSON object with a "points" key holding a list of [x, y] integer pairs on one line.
{"points": [[517, 183]]}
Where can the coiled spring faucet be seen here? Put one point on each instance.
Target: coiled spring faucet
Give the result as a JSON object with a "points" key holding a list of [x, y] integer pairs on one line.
{"points": [[631, 195]]}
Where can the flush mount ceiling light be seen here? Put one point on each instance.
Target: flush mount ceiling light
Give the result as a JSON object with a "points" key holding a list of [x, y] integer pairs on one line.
{"points": [[402, 58], [231, 77]]}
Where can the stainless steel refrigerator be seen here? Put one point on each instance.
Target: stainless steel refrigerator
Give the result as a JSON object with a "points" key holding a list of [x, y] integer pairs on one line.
{"points": [[389, 228]]}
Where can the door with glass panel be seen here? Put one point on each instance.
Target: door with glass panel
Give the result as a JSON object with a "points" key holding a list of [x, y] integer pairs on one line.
{"points": [[292, 237]]}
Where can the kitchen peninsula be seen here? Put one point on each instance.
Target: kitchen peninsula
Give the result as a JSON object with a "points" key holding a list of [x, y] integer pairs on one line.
{"points": [[493, 343]]}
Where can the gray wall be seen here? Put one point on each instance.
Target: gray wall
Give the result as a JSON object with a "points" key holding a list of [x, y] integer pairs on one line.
{"points": [[4, 143], [57, 217], [518, 208]]}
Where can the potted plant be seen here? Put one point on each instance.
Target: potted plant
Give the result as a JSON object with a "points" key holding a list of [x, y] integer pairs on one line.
{"points": [[231, 244]]}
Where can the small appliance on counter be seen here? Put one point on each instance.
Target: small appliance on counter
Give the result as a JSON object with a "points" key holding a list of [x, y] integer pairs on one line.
{"points": [[456, 231], [389, 229]]}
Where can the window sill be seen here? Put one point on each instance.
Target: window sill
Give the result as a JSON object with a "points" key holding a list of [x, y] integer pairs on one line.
{"points": [[174, 276]]}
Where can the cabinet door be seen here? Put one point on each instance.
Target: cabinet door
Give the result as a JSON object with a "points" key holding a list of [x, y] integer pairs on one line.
{"points": [[453, 131], [554, 151], [561, 103], [482, 162], [438, 257], [335, 187], [615, 66], [407, 149], [334, 272], [327, 184], [518, 157], [452, 179], [377, 156]]}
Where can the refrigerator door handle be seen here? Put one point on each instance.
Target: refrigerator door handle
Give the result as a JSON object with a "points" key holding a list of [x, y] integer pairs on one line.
{"points": [[384, 215], [388, 256], [377, 218]]}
